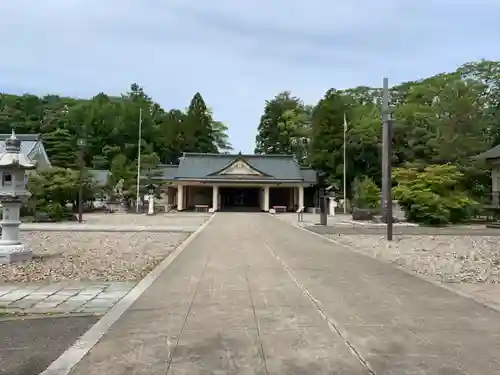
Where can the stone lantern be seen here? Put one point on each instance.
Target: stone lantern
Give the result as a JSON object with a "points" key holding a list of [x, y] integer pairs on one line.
{"points": [[13, 167]]}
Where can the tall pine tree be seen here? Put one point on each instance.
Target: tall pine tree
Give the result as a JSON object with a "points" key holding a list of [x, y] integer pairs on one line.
{"points": [[60, 145], [198, 126]]}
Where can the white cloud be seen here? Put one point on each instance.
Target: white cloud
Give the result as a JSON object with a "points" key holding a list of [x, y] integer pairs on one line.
{"points": [[237, 54]]}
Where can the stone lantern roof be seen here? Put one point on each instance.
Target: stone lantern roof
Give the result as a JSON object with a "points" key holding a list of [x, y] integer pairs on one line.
{"points": [[12, 157]]}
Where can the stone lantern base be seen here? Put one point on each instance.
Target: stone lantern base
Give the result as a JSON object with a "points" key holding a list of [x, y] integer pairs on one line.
{"points": [[14, 253]]}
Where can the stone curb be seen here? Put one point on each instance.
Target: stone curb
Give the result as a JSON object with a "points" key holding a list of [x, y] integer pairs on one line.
{"points": [[70, 358], [46, 316], [436, 283]]}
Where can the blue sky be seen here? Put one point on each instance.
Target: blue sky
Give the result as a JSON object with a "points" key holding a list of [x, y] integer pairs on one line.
{"points": [[236, 53]]}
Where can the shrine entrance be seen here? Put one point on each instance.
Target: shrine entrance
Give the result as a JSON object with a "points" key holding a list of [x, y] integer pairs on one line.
{"points": [[239, 199]]}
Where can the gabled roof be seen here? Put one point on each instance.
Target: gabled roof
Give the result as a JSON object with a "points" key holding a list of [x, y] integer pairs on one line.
{"points": [[493, 153], [206, 166], [239, 166], [217, 167]]}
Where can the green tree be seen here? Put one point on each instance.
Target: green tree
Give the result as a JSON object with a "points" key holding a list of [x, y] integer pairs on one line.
{"points": [[366, 193], [433, 194], [111, 126], [284, 127], [60, 144], [198, 126], [327, 136], [52, 189]]}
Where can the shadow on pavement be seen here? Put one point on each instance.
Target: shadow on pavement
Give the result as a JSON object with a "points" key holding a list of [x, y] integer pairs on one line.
{"points": [[29, 346]]}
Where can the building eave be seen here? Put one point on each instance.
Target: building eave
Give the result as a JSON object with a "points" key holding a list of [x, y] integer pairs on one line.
{"points": [[240, 180]]}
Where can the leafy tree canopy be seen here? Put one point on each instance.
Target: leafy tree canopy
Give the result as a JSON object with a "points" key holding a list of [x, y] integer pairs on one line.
{"points": [[111, 126]]}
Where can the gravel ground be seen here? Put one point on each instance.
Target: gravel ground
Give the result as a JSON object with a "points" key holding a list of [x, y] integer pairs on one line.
{"points": [[90, 256], [464, 259], [177, 219]]}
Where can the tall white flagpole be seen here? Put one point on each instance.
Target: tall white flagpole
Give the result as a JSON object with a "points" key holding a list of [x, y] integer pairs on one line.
{"points": [[138, 198], [345, 164]]}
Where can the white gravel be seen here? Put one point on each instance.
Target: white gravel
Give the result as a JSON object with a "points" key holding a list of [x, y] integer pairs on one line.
{"points": [[465, 259], [188, 219], [90, 256]]}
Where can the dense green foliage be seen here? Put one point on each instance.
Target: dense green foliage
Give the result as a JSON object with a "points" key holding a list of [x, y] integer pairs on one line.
{"points": [[446, 118], [366, 193], [111, 127], [284, 127], [52, 189], [433, 194]]}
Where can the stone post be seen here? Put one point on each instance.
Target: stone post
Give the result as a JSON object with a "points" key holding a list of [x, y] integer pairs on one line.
{"points": [[333, 205], [151, 204], [13, 167]]}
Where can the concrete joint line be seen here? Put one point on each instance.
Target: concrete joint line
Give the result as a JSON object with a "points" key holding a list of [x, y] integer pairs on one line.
{"points": [[261, 346], [436, 283], [332, 324], [70, 358], [172, 353]]}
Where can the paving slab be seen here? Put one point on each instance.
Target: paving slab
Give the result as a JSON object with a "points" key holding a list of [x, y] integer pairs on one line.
{"points": [[253, 295], [63, 298]]}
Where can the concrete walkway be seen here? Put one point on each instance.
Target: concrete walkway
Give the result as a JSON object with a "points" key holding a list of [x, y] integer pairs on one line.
{"points": [[253, 295]]}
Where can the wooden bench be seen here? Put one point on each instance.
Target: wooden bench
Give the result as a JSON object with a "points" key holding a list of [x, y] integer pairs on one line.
{"points": [[201, 208], [279, 209]]}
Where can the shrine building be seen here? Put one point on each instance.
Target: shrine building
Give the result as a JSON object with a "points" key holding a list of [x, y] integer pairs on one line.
{"points": [[236, 182]]}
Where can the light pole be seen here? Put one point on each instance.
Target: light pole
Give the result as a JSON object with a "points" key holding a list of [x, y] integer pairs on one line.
{"points": [[138, 194], [81, 145], [386, 160]]}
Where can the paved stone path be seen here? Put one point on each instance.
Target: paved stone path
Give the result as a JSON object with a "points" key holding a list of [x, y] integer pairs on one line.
{"points": [[253, 295], [95, 298]]}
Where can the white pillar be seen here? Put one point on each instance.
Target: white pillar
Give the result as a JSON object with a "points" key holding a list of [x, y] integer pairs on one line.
{"points": [[151, 204], [266, 198], [332, 205], [301, 196], [180, 197], [215, 198]]}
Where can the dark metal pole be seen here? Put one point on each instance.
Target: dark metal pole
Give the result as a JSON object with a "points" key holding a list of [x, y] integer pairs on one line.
{"points": [[386, 161], [81, 144]]}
